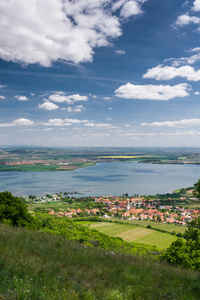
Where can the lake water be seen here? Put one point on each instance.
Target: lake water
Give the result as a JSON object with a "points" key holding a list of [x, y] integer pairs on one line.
{"points": [[110, 178]]}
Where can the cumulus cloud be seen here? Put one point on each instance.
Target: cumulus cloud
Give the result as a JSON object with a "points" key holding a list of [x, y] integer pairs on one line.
{"points": [[196, 5], [57, 122], [18, 122], [47, 129], [184, 122], [2, 97], [167, 72], [190, 60], [46, 31], [21, 98], [78, 108], [101, 125], [120, 52], [48, 106], [186, 19], [152, 92], [61, 98], [131, 8], [64, 122]]}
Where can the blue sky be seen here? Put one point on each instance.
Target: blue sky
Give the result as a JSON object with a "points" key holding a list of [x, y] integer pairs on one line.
{"points": [[100, 73]]}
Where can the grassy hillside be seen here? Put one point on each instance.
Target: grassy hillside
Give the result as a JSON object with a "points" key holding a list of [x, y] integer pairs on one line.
{"points": [[37, 265]]}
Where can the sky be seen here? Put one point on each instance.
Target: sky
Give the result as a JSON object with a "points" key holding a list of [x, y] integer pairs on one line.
{"points": [[111, 73]]}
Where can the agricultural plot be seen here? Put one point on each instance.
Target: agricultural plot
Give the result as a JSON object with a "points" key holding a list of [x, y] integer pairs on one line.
{"points": [[159, 239], [130, 233], [162, 226]]}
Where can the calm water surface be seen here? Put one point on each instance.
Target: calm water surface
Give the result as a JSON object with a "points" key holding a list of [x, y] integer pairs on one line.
{"points": [[111, 178]]}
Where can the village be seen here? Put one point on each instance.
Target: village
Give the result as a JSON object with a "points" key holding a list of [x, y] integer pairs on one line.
{"points": [[131, 208]]}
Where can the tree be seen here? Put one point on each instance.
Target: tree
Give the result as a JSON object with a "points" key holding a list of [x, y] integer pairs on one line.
{"points": [[14, 211], [196, 191], [186, 254]]}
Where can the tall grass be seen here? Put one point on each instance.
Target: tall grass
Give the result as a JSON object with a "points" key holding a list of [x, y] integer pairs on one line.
{"points": [[37, 265]]}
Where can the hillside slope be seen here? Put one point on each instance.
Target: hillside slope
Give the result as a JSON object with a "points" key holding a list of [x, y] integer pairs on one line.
{"points": [[38, 265]]}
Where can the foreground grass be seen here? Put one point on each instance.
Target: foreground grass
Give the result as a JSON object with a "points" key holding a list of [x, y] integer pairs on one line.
{"points": [[35, 265]]}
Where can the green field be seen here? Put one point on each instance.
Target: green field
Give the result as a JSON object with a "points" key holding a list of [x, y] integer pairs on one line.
{"points": [[157, 225], [42, 167], [130, 233]]}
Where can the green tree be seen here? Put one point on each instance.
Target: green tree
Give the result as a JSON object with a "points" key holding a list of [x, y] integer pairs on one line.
{"points": [[14, 211], [186, 253], [196, 191]]}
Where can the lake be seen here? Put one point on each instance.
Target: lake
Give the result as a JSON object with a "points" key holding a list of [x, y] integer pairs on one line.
{"points": [[108, 178]]}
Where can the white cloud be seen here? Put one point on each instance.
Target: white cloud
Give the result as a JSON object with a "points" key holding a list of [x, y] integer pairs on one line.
{"points": [[64, 122], [152, 92], [131, 8], [2, 86], [186, 19], [78, 108], [48, 129], [57, 122], [196, 5], [166, 73], [46, 31], [70, 99], [101, 125], [107, 98], [23, 122], [186, 3], [18, 122], [21, 98], [76, 121], [194, 49], [185, 60], [48, 106], [184, 122], [2, 97], [120, 52], [196, 93]]}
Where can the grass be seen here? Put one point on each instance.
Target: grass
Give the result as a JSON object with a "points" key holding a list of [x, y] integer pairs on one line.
{"points": [[130, 233], [35, 265]]}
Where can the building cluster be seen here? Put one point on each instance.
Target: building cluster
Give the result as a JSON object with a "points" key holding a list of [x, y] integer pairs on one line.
{"points": [[135, 208]]}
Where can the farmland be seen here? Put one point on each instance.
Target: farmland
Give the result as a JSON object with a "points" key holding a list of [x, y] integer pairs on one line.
{"points": [[136, 234]]}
